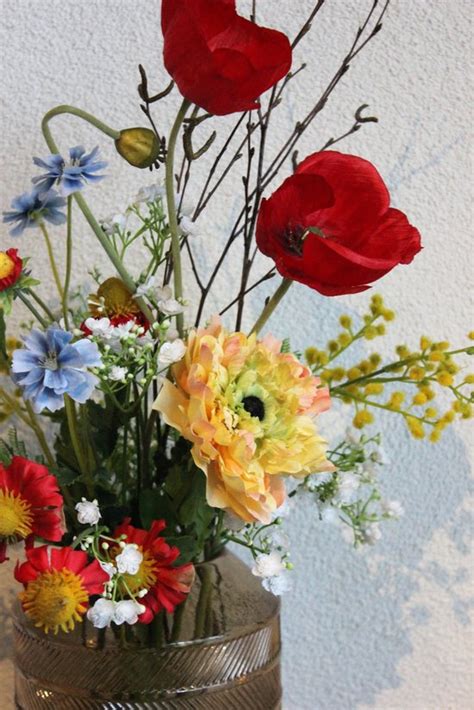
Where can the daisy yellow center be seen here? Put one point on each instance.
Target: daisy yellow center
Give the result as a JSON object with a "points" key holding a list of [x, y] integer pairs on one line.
{"points": [[55, 600], [16, 517], [7, 265], [144, 578]]}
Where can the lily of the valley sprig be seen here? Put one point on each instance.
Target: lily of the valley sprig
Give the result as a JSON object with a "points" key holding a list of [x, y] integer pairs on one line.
{"points": [[165, 431]]}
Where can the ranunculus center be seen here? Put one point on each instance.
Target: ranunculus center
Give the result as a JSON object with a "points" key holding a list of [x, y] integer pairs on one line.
{"points": [[254, 406], [7, 265], [56, 599], [15, 515]]}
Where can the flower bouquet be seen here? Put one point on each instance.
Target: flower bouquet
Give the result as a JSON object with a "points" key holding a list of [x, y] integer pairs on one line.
{"points": [[164, 430]]}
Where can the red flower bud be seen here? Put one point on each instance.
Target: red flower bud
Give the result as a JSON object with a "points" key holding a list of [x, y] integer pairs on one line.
{"points": [[331, 227]]}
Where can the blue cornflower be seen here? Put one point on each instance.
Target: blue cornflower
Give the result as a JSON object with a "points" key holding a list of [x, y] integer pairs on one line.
{"points": [[32, 207], [72, 176], [50, 366]]}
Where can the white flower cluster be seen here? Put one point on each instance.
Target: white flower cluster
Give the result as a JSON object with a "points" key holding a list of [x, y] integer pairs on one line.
{"points": [[104, 611], [350, 497], [274, 572]]}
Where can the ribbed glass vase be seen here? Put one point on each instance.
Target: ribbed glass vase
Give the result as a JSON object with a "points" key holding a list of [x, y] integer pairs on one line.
{"points": [[221, 650]]}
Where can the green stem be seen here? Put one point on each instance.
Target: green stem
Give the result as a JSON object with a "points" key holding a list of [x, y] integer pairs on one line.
{"points": [[76, 444], [72, 110], [378, 405], [172, 215], [178, 621], [82, 204], [67, 279], [202, 610], [52, 260], [41, 303], [32, 309], [39, 434], [271, 305]]}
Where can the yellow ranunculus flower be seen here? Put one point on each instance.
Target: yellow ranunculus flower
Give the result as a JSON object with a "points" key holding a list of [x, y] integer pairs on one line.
{"points": [[248, 410]]}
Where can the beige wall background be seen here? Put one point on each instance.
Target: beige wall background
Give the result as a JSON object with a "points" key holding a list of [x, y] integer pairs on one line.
{"points": [[389, 628]]}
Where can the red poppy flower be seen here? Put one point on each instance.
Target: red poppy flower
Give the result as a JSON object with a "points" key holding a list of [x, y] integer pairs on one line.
{"points": [[167, 585], [219, 60], [331, 227], [58, 584], [10, 268], [30, 504]]}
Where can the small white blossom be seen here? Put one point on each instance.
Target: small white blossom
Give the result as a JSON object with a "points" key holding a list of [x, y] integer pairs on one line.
{"points": [[380, 456], [100, 327], [102, 613], [319, 479], [150, 193], [329, 515], [188, 227], [278, 538], [170, 307], [270, 565], [109, 568], [129, 560], [127, 611], [88, 512], [172, 334], [278, 585], [392, 508], [348, 484], [352, 436], [114, 223], [371, 533], [171, 352], [117, 374], [164, 293], [145, 288]]}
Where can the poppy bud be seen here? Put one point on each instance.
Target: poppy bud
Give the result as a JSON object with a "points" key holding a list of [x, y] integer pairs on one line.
{"points": [[138, 146]]}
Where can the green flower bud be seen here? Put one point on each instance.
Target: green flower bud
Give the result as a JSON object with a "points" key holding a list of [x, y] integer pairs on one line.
{"points": [[138, 146]]}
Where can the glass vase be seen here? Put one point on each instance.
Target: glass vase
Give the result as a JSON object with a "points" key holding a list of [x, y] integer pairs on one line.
{"points": [[221, 649]]}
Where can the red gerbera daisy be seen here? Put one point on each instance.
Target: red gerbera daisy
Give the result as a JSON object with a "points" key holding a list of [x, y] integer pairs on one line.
{"points": [[10, 268], [58, 584], [30, 503], [167, 585]]}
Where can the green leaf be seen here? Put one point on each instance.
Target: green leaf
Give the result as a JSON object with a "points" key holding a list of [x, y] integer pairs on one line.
{"points": [[153, 505], [188, 547], [65, 476]]}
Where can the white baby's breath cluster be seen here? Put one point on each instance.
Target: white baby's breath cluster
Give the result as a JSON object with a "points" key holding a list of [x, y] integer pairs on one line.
{"points": [[350, 497], [112, 605], [269, 546]]}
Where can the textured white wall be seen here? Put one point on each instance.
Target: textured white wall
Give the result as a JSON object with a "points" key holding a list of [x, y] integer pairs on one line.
{"points": [[388, 628]]}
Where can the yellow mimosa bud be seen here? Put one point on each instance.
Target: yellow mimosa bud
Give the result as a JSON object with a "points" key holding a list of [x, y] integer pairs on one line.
{"points": [[471, 335], [138, 146], [415, 427], [362, 418], [435, 436], [402, 351], [469, 380], [425, 342], [445, 379], [374, 388], [381, 330], [419, 399], [436, 356], [333, 346], [338, 373], [431, 412], [353, 373], [370, 332], [344, 339], [396, 400], [311, 355], [417, 373], [388, 315], [375, 359], [345, 321]]}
